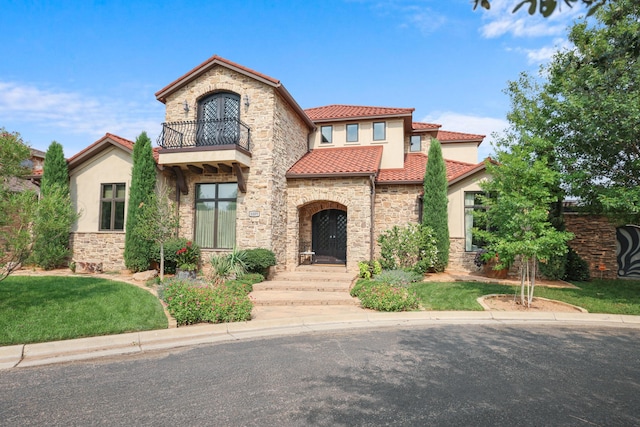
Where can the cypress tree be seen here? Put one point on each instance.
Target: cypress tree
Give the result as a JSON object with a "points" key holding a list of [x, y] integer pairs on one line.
{"points": [[434, 208], [54, 214], [137, 249], [55, 170]]}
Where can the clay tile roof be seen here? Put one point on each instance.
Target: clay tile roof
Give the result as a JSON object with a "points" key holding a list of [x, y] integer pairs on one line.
{"points": [[447, 136], [418, 126], [120, 140], [414, 167], [338, 112], [99, 145], [340, 161]]}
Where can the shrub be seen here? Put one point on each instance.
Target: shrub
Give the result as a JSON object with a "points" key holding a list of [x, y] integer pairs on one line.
{"points": [[384, 297], [189, 303], [577, 268], [227, 266], [554, 268], [259, 260], [398, 277], [171, 246], [412, 246], [369, 269], [188, 257]]}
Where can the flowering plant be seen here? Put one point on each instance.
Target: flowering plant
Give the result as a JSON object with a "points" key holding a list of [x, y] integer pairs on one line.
{"points": [[187, 257]]}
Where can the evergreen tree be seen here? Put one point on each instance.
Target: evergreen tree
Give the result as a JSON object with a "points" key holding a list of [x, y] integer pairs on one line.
{"points": [[54, 214], [137, 248], [55, 170], [434, 208]]}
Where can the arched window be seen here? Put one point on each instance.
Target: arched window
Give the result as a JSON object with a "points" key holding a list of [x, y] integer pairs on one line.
{"points": [[219, 119]]}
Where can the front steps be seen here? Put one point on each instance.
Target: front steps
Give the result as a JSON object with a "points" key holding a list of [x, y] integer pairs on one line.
{"points": [[312, 285]]}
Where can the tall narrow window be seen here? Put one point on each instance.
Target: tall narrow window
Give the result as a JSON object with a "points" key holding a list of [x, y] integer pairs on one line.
{"points": [[352, 132], [219, 119], [473, 203], [416, 145], [216, 215], [112, 198], [327, 134], [379, 131]]}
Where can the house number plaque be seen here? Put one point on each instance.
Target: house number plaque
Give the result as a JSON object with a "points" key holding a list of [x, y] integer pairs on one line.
{"points": [[254, 214]]}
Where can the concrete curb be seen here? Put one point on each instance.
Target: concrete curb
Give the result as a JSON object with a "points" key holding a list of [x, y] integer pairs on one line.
{"points": [[19, 356]]}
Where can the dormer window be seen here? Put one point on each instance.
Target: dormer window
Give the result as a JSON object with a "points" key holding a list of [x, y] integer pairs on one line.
{"points": [[219, 119]]}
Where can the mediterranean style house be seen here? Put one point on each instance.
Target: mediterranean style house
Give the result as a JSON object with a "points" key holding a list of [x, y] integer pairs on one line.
{"points": [[250, 168]]}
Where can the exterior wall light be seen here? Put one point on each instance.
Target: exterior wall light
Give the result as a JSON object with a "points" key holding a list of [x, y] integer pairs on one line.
{"points": [[246, 101], [186, 106]]}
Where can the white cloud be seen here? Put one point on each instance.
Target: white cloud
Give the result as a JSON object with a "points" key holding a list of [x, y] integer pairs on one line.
{"points": [[468, 123], [500, 20], [30, 108]]}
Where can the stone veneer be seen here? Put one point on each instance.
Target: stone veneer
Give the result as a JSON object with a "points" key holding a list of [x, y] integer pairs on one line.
{"points": [[278, 140], [595, 241], [352, 193], [105, 248]]}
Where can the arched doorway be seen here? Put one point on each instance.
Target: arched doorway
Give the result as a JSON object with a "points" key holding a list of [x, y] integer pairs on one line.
{"points": [[628, 251], [329, 236]]}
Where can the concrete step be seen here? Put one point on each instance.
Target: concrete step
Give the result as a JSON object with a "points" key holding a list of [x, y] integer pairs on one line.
{"points": [[322, 268], [295, 285], [314, 276], [300, 298]]}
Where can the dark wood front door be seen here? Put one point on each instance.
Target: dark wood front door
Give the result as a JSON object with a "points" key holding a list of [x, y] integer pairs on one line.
{"points": [[330, 236]]}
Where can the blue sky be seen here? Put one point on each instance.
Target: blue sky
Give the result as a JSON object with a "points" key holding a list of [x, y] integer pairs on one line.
{"points": [[73, 70]]}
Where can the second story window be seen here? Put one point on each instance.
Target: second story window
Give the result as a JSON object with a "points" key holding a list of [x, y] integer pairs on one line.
{"points": [[219, 119], [352, 132], [416, 145], [327, 134], [379, 131]]}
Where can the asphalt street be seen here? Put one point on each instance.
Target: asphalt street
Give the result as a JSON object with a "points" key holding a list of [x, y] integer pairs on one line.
{"points": [[480, 375]]}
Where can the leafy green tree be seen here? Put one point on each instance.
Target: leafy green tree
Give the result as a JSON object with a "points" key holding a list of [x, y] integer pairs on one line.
{"points": [[54, 216], [55, 169], [435, 201], [16, 207], [547, 7], [137, 249], [587, 110], [158, 220], [521, 190], [55, 213]]}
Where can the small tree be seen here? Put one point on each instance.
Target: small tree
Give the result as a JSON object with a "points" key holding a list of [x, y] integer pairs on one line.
{"points": [[137, 249], [435, 201], [16, 207], [521, 191], [158, 220], [55, 213]]}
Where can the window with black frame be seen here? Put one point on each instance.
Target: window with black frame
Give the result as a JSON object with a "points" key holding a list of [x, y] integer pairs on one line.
{"points": [[219, 119], [216, 215], [112, 201], [473, 203]]}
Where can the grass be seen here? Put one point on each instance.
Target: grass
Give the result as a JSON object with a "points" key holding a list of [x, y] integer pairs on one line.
{"points": [[48, 308], [597, 296]]}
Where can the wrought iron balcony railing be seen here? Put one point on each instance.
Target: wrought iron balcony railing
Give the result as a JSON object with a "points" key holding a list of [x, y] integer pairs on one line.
{"points": [[205, 133]]}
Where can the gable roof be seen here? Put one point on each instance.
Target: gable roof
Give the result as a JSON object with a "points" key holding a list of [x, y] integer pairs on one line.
{"points": [[108, 140], [414, 167], [216, 60], [337, 112], [340, 161], [424, 127]]}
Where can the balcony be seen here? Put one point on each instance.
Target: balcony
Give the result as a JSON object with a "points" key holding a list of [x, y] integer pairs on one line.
{"points": [[205, 146]]}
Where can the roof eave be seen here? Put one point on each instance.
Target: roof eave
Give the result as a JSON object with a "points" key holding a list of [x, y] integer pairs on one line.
{"points": [[478, 168], [355, 118], [329, 175]]}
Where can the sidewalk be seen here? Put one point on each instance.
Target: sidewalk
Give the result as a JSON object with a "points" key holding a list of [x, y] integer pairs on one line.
{"points": [[19, 356]]}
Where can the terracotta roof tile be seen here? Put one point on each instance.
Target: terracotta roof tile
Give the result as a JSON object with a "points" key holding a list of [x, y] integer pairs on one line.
{"points": [[336, 112], [424, 126], [414, 167], [337, 161], [99, 145], [447, 136]]}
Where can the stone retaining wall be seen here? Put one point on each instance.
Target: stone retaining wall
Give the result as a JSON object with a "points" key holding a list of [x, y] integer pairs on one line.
{"points": [[595, 242], [105, 248]]}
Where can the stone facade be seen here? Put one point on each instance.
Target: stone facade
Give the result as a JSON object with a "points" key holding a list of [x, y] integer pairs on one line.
{"points": [[595, 242], [352, 194], [104, 248]]}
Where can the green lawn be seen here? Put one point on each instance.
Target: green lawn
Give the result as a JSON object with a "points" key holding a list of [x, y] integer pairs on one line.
{"points": [[48, 308], [597, 296]]}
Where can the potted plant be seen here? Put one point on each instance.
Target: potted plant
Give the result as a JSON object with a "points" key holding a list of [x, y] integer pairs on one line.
{"points": [[487, 260], [187, 259]]}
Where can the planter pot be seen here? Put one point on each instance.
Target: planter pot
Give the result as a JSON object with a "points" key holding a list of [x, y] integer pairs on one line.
{"points": [[185, 274], [488, 270]]}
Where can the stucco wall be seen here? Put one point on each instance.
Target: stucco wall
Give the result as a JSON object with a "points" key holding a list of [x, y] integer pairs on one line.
{"points": [[393, 152]]}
